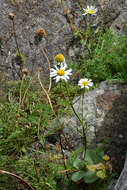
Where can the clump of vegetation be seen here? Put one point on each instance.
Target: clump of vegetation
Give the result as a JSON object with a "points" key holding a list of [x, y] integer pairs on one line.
{"points": [[108, 59]]}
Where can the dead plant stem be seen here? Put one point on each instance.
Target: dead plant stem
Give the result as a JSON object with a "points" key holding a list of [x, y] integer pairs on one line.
{"points": [[49, 66], [14, 32], [18, 177]]}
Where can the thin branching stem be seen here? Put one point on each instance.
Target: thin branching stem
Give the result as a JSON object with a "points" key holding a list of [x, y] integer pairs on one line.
{"points": [[83, 127], [73, 27], [18, 177], [64, 159], [81, 120], [68, 143], [71, 104], [14, 32], [50, 103], [31, 80], [20, 100], [46, 93], [49, 66], [20, 91]]}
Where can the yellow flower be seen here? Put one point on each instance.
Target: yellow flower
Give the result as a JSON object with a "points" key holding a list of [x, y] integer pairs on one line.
{"points": [[59, 58], [91, 167], [101, 174], [106, 157]]}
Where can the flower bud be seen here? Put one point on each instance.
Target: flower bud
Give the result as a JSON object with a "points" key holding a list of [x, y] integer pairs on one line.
{"points": [[59, 58], [40, 69], [41, 32], [25, 71], [11, 16]]}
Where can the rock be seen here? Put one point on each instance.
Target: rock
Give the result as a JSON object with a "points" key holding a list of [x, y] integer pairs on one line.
{"points": [[105, 111], [31, 15], [111, 9], [122, 181], [119, 23], [112, 184], [115, 14]]}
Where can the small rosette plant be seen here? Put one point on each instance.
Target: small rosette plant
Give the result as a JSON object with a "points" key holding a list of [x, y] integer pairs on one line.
{"points": [[92, 168]]}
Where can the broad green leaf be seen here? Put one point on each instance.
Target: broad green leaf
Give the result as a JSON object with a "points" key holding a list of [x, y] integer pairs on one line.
{"points": [[92, 157], [73, 155], [78, 164], [77, 176], [90, 176]]}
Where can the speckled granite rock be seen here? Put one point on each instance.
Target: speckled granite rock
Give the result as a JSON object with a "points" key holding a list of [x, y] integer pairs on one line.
{"points": [[122, 181], [105, 110], [33, 14], [119, 23], [29, 16]]}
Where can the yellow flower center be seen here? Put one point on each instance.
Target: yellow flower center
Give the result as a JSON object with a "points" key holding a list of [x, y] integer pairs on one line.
{"points": [[91, 12], [61, 72], [59, 58], [85, 83]]}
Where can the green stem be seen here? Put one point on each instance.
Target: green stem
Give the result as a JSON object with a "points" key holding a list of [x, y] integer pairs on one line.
{"points": [[81, 120], [72, 104], [83, 128]]}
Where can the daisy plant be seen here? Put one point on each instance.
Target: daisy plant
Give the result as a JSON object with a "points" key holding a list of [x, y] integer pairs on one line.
{"points": [[84, 83], [87, 35], [61, 73]]}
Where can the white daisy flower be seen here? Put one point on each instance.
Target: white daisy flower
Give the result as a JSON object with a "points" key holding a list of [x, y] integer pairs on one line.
{"points": [[90, 10], [61, 73], [85, 83]]}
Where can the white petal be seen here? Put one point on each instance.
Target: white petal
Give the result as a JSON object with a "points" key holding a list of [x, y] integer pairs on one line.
{"points": [[85, 79], [53, 70], [53, 74], [63, 66], [68, 72], [57, 78], [63, 77], [81, 80], [84, 14], [90, 84], [56, 67]]}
